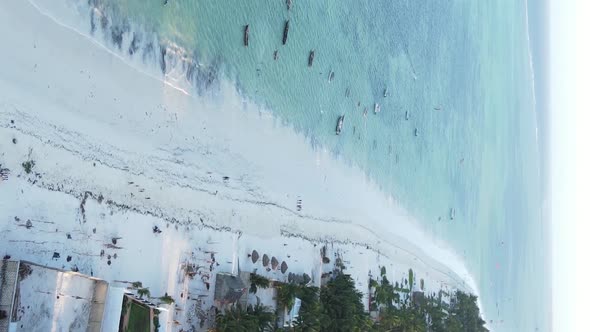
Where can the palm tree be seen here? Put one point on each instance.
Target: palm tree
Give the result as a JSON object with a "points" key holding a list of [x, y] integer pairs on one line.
{"points": [[257, 281], [389, 320], [310, 313], [235, 319], [384, 293], [265, 318], [143, 292], [286, 295], [342, 309], [257, 318], [166, 299]]}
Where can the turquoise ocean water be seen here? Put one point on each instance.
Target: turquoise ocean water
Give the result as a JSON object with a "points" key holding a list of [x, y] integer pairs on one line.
{"points": [[456, 71]]}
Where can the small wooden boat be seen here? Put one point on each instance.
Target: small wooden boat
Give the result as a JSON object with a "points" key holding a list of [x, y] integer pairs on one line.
{"points": [[385, 92], [452, 214], [246, 32], [286, 32], [340, 124], [377, 108], [275, 55], [407, 115], [310, 60], [331, 76]]}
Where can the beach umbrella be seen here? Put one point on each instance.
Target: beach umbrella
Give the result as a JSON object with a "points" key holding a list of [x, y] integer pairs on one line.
{"points": [[265, 260], [306, 278], [284, 267], [255, 256], [274, 263]]}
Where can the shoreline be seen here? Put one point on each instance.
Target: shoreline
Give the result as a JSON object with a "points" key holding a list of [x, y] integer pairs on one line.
{"points": [[67, 140]]}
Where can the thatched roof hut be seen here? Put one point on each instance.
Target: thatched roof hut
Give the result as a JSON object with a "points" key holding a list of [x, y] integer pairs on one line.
{"points": [[274, 262], [255, 256], [265, 260]]}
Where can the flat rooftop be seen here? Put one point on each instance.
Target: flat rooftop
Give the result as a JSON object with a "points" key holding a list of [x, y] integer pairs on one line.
{"points": [[47, 299]]}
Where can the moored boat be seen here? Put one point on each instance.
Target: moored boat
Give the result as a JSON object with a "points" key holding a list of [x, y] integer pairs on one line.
{"points": [[340, 124], [246, 34], [286, 32], [311, 56]]}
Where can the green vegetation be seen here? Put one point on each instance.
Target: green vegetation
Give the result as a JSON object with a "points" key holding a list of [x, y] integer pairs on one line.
{"points": [[384, 293], [257, 281], [136, 284], [337, 307], [139, 318], [156, 320], [310, 313], [341, 306], [286, 294], [464, 314], [166, 299], [236, 319], [431, 314], [143, 292], [28, 166]]}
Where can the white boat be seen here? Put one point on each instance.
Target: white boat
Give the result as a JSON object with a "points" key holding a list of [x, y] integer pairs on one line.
{"points": [[377, 108], [452, 213], [407, 115], [385, 93], [331, 76], [340, 124]]}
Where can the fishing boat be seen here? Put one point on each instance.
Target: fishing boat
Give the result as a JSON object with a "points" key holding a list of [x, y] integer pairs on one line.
{"points": [[331, 76], [416, 132], [340, 124], [286, 32], [407, 115], [246, 32], [377, 108], [311, 56]]}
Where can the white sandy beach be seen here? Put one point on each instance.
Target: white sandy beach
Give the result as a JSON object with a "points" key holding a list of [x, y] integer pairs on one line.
{"points": [[118, 151]]}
